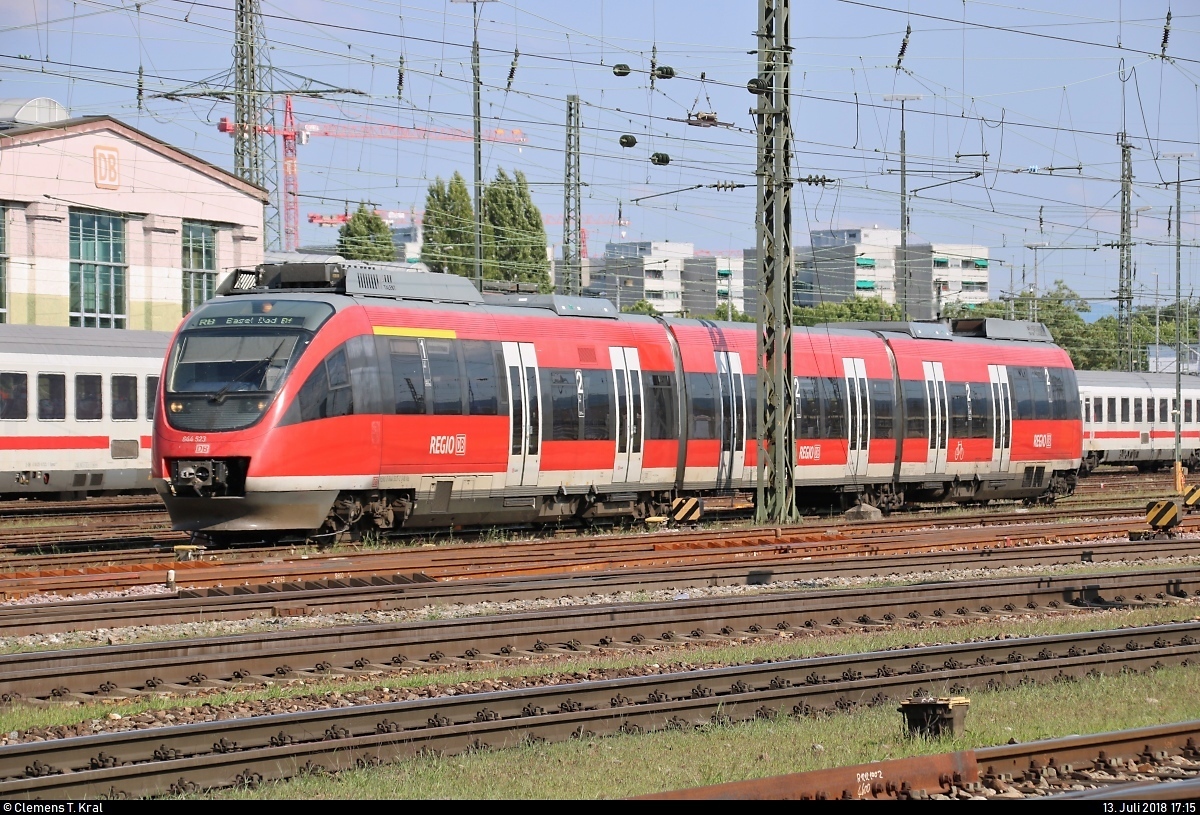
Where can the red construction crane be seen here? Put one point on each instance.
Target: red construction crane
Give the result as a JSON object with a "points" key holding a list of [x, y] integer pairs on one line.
{"points": [[293, 135]]}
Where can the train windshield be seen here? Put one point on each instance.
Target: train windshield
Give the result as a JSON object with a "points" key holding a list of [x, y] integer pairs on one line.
{"points": [[232, 357]]}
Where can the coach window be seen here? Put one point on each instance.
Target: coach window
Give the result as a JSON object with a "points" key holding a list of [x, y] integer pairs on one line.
{"points": [[479, 360], [564, 390], [833, 402], [883, 400], [124, 397], [597, 407], [1187, 410], [408, 376], [914, 408], [1039, 386], [750, 382], [1060, 403], [52, 397], [959, 427], [444, 373], [1137, 411], [808, 408], [1087, 412], [661, 407], [14, 396], [981, 410], [1022, 395], [702, 393], [89, 398], [151, 396], [1124, 410], [1112, 410], [1164, 415], [1098, 412]]}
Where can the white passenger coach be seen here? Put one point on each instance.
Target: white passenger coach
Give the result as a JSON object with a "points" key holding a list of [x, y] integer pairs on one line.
{"points": [[1128, 419], [77, 409]]}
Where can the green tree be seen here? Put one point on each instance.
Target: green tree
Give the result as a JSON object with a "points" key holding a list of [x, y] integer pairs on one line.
{"points": [[857, 309], [641, 307], [517, 245], [727, 312], [449, 228], [365, 237]]}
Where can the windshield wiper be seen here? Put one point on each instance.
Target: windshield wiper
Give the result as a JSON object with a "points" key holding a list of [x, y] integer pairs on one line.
{"points": [[219, 397]]}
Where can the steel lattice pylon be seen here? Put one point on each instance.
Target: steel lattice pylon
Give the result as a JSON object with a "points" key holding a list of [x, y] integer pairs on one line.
{"points": [[254, 158], [1125, 274], [572, 222], [776, 396]]}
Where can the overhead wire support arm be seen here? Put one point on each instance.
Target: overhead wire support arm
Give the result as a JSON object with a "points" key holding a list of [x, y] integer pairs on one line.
{"points": [[720, 185]]}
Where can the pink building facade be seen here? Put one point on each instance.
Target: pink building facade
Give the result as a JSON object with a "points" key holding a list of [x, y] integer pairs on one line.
{"points": [[103, 225]]}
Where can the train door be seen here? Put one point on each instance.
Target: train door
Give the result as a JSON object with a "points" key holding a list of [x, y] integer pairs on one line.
{"points": [[1001, 418], [525, 415], [939, 420], [732, 396], [627, 375], [858, 403]]}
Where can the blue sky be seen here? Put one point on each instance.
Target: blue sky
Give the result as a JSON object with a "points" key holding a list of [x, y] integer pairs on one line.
{"points": [[1031, 88]]}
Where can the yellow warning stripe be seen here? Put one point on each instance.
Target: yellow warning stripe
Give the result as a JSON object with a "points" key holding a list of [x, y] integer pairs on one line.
{"points": [[433, 333]]}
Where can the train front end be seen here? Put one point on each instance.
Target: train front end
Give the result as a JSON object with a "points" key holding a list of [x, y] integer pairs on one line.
{"points": [[227, 381]]}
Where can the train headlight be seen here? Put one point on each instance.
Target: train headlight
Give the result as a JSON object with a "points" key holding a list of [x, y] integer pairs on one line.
{"points": [[177, 407], [262, 406]]}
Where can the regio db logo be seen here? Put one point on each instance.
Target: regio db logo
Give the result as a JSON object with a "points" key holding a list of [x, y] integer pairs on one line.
{"points": [[809, 452], [448, 445], [1042, 440]]}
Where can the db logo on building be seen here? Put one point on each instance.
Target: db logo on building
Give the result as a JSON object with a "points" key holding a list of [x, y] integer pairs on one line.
{"points": [[1042, 440], [448, 445], [107, 167]]}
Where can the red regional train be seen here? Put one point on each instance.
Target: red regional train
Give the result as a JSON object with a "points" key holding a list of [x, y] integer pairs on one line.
{"points": [[323, 400]]}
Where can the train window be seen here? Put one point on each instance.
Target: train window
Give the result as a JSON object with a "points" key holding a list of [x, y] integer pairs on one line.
{"points": [[597, 408], [1039, 386], [564, 389], [327, 392], [1098, 412], [1087, 412], [531, 387], [1021, 392], [366, 385], [1137, 411], [151, 396], [52, 397], [833, 402], [915, 418], [702, 393], [1060, 404], [980, 407], [408, 377], [89, 397], [483, 393], [1164, 415], [662, 410], [808, 408], [445, 375], [124, 397], [883, 399], [750, 381], [1112, 410], [959, 425], [1187, 410], [14, 396], [518, 418], [1124, 410]]}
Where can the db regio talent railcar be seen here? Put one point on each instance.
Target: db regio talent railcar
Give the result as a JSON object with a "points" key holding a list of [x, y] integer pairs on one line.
{"points": [[1129, 418], [322, 399], [76, 409]]}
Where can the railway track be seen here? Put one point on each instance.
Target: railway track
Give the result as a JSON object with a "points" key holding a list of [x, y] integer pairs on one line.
{"points": [[123, 670], [191, 757], [1159, 763], [400, 591], [555, 556]]}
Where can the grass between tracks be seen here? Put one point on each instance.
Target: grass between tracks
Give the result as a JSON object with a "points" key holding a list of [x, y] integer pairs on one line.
{"points": [[623, 765], [791, 645]]}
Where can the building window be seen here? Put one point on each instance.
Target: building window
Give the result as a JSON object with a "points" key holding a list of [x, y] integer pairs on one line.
{"points": [[3, 264], [199, 263], [941, 263], [97, 270]]}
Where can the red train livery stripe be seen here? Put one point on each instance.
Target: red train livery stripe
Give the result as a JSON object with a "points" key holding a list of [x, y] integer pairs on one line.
{"points": [[54, 442]]}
